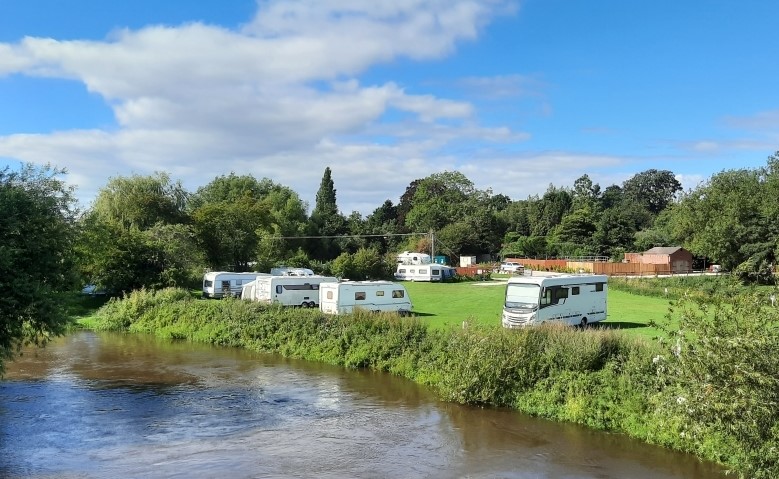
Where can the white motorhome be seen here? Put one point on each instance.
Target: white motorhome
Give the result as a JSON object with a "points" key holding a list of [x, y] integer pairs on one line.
{"points": [[287, 271], [569, 299], [423, 272], [347, 296], [408, 257], [286, 290], [218, 284]]}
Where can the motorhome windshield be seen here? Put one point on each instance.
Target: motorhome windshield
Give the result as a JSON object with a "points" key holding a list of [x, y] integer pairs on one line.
{"points": [[520, 295]]}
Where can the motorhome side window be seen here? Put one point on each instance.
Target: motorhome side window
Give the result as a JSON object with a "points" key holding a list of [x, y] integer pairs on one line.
{"points": [[359, 295], [379, 293], [553, 295], [278, 289], [398, 293], [574, 291], [599, 286]]}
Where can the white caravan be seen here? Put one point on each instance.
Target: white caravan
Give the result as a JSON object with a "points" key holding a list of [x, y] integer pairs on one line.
{"points": [[569, 299], [286, 290], [347, 296], [218, 284], [423, 272]]}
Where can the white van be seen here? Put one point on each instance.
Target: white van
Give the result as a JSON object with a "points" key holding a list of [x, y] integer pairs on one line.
{"points": [[286, 290], [569, 299], [219, 284], [346, 296]]}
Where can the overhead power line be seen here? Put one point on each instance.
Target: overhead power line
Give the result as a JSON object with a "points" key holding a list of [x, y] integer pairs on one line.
{"points": [[351, 236]]}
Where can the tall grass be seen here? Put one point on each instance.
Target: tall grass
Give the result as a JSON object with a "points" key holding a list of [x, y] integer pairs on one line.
{"points": [[600, 378]]}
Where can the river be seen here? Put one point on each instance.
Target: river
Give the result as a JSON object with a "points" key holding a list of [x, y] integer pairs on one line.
{"points": [[96, 405]]}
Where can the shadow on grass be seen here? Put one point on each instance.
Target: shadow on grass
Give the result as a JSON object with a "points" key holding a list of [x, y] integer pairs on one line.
{"points": [[620, 325], [421, 315]]}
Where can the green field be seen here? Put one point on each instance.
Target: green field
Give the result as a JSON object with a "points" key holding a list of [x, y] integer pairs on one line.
{"points": [[480, 302]]}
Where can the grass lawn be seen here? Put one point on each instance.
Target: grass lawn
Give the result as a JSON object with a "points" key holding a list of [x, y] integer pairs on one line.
{"points": [[481, 302]]}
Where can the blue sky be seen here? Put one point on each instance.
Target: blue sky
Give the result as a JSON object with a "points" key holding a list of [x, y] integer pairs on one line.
{"points": [[515, 95]]}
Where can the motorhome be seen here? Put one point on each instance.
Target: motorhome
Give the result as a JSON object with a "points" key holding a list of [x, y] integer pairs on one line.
{"points": [[424, 272], [219, 284], [287, 271], [408, 257], [568, 299], [286, 290], [347, 296]]}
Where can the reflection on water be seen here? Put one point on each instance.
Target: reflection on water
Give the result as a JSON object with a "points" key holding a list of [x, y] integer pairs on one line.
{"points": [[108, 405]]}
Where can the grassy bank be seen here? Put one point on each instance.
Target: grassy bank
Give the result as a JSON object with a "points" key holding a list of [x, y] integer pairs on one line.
{"points": [[674, 394]]}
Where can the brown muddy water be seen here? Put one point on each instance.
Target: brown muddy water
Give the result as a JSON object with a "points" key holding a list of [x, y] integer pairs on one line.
{"points": [[117, 406]]}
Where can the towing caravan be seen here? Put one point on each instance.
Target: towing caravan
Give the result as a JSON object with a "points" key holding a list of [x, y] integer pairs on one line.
{"points": [[347, 296], [220, 284], [569, 299], [286, 290]]}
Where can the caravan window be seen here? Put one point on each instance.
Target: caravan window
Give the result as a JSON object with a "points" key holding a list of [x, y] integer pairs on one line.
{"points": [[574, 290], [435, 272], [278, 289], [329, 295], [398, 293], [299, 287], [402, 271], [208, 283], [359, 295], [599, 286], [422, 271], [412, 271], [379, 293]]}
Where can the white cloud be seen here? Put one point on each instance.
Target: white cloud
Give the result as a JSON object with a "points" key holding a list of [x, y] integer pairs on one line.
{"points": [[279, 98]]}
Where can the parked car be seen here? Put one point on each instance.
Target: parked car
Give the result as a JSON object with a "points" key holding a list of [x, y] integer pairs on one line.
{"points": [[511, 267]]}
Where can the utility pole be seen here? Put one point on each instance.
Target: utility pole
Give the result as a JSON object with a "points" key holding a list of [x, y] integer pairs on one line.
{"points": [[432, 246]]}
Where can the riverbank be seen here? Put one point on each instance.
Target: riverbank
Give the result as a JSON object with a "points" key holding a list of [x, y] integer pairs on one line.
{"points": [[599, 378]]}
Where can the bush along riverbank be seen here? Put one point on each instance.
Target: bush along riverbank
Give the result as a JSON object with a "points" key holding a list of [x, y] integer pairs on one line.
{"points": [[711, 388]]}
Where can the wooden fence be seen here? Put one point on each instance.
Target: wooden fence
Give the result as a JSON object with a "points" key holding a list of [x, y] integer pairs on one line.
{"points": [[598, 267]]}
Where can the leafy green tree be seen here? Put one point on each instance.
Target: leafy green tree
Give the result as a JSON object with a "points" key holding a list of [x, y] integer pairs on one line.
{"points": [[524, 246], [585, 192], [578, 227], [615, 232], [548, 211], [137, 235], [440, 199], [723, 219], [116, 258], [37, 218], [515, 218], [654, 189], [229, 232], [384, 223], [141, 201], [611, 197], [240, 220]]}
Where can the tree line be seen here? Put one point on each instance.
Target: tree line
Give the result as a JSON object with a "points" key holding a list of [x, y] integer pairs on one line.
{"points": [[149, 231]]}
